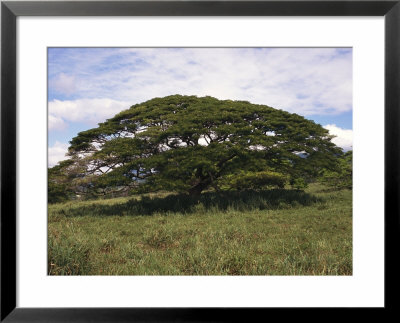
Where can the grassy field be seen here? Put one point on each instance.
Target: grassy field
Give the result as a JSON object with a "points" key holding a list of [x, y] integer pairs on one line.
{"points": [[277, 232]]}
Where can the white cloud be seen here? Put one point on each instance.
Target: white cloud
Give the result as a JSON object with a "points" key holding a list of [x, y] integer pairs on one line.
{"points": [[65, 84], [56, 123], [57, 153], [344, 137], [89, 111], [303, 80]]}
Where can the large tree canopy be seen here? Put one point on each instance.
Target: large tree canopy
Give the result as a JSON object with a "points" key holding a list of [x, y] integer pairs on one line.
{"points": [[188, 143]]}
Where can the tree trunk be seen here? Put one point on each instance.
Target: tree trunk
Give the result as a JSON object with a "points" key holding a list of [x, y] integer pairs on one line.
{"points": [[198, 188]]}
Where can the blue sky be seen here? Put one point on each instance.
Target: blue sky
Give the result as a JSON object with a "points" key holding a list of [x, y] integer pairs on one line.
{"points": [[88, 85]]}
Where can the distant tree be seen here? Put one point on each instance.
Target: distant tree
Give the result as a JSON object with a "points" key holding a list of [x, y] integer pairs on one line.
{"points": [[189, 144], [341, 176], [59, 184]]}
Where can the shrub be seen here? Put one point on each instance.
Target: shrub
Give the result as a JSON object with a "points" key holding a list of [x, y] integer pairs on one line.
{"points": [[342, 177], [298, 183], [254, 180]]}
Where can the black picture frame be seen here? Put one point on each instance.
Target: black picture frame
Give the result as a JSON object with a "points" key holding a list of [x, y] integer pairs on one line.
{"points": [[10, 10]]}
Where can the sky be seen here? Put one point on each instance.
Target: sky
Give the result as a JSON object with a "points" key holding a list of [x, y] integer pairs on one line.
{"points": [[88, 85]]}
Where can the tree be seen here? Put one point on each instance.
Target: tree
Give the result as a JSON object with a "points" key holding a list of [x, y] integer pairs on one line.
{"points": [[58, 183], [188, 143], [342, 175]]}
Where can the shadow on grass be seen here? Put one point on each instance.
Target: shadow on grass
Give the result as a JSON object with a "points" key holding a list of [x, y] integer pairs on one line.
{"points": [[206, 202], [333, 189]]}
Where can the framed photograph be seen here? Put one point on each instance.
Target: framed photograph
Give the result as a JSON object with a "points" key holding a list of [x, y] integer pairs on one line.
{"points": [[182, 160]]}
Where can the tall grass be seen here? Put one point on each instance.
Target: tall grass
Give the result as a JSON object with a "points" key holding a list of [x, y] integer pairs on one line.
{"points": [[276, 232]]}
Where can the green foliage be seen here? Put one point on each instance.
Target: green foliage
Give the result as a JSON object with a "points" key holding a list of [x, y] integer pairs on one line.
{"points": [[189, 144], [342, 175], [254, 180], [57, 193], [298, 183], [58, 183]]}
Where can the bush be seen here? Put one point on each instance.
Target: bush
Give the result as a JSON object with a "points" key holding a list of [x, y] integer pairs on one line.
{"points": [[342, 177], [59, 189], [57, 193], [254, 181], [298, 183]]}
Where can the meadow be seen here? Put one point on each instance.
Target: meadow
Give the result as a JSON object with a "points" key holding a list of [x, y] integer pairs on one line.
{"points": [[272, 232]]}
